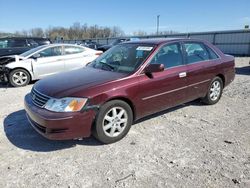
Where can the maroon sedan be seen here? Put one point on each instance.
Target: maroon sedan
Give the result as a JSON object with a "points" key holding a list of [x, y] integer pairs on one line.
{"points": [[128, 82]]}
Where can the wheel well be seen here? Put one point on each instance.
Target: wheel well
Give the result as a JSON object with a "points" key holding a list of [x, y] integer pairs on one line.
{"points": [[222, 77], [129, 102], [22, 69]]}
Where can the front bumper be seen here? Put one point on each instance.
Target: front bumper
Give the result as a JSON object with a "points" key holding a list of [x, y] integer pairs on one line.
{"points": [[57, 125]]}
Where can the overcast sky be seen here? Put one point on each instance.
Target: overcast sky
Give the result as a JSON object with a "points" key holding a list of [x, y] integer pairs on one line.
{"points": [[129, 15]]}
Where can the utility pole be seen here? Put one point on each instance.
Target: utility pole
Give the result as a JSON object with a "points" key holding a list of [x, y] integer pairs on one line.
{"points": [[158, 22]]}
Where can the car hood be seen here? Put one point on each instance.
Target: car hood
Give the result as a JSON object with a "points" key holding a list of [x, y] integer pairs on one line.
{"points": [[69, 83], [9, 59]]}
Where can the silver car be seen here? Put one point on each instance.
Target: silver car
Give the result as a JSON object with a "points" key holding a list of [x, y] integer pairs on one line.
{"points": [[43, 61]]}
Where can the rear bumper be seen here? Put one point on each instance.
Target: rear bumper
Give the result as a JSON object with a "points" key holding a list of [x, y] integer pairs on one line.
{"points": [[59, 126], [229, 76]]}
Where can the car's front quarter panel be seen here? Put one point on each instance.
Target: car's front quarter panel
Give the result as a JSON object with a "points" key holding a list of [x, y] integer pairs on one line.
{"points": [[124, 89], [23, 64]]}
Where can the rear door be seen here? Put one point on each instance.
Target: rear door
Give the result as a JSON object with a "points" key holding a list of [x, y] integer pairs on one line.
{"points": [[75, 57], [50, 62], [200, 61], [165, 89]]}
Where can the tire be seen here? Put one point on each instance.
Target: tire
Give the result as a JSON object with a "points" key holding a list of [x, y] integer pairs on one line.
{"points": [[19, 78], [113, 121], [214, 91]]}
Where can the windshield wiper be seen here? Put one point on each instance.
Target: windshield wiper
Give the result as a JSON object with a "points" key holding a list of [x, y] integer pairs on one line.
{"points": [[107, 65]]}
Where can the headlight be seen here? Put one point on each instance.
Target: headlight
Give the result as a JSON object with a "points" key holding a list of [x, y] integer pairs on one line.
{"points": [[69, 104]]}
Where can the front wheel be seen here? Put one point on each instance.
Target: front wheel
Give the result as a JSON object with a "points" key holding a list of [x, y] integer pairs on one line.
{"points": [[19, 77], [113, 121], [214, 92]]}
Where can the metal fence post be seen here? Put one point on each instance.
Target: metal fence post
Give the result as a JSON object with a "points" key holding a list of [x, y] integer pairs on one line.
{"points": [[214, 39]]}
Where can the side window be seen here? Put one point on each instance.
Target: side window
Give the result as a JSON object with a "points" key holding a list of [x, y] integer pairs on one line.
{"points": [[169, 55], [3, 43], [195, 52], [18, 43], [212, 54], [49, 52], [32, 43], [72, 50]]}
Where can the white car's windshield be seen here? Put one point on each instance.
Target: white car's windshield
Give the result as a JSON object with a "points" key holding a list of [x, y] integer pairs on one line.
{"points": [[123, 58], [33, 50]]}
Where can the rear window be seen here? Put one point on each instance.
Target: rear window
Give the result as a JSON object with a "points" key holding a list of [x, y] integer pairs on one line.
{"points": [[212, 54], [195, 52], [72, 50]]}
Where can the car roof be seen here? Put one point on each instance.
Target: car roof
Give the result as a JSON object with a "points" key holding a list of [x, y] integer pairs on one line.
{"points": [[61, 44], [159, 41]]}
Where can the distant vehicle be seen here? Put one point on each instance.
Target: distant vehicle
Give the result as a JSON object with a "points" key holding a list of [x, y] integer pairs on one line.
{"points": [[18, 45], [106, 47], [128, 82], [117, 41], [43, 61], [91, 44]]}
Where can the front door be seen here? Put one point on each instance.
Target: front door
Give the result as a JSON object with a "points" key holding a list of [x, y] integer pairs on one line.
{"points": [[164, 89], [49, 62]]}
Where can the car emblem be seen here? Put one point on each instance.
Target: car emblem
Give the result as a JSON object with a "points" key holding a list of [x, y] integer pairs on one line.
{"points": [[33, 97]]}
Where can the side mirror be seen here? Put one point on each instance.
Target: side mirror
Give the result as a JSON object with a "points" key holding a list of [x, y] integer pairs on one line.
{"points": [[151, 68], [35, 56]]}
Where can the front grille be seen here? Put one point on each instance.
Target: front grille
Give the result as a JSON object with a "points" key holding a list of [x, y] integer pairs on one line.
{"points": [[38, 98]]}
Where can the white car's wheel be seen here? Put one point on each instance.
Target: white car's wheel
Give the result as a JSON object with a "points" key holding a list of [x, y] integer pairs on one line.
{"points": [[19, 78]]}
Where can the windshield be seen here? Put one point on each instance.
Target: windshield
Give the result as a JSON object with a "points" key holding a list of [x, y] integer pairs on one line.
{"points": [[33, 50], [125, 58]]}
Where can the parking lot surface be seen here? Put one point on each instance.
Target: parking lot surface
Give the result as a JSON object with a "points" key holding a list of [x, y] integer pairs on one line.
{"points": [[192, 145]]}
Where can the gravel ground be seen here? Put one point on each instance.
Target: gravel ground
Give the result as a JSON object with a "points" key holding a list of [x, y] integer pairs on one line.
{"points": [[192, 145]]}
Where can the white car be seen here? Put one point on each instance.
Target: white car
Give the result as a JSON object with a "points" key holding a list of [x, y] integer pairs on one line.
{"points": [[44, 61]]}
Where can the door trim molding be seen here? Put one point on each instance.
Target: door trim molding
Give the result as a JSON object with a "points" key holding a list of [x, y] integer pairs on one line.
{"points": [[174, 90]]}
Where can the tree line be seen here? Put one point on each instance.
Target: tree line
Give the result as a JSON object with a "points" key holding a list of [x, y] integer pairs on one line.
{"points": [[74, 32], [78, 31]]}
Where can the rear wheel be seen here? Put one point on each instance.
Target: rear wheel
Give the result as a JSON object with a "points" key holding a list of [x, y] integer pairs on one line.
{"points": [[214, 92], [19, 77], [113, 121]]}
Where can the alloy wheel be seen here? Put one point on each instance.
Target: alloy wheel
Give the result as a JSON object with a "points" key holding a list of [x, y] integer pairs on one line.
{"points": [[115, 121], [19, 78], [215, 90]]}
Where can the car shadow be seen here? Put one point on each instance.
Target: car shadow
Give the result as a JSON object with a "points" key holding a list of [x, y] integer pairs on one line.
{"points": [[4, 85], [7, 85], [243, 70], [20, 133], [192, 103]]}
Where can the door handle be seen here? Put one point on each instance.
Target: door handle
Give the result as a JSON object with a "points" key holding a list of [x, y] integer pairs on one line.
{"points": [[182, 74]]}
